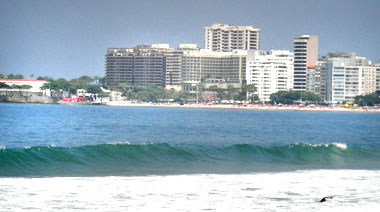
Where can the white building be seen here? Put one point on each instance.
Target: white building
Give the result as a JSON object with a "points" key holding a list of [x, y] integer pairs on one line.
{"points": [[205, 64], [305, 54], [378, 76], [348, 76], [225, 38], [35, 84], [270, 72], [206, 68]]}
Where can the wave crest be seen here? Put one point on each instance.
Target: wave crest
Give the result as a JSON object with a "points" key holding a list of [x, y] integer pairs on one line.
{"points": [[140, 159]]}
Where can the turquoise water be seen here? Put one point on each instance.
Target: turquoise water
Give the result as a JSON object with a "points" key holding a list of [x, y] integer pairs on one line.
{"points": [[56, 140]]}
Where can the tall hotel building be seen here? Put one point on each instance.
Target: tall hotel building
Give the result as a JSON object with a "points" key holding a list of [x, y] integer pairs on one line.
{"points": [[226, 38], [142, 65], [305, 55], [204, 64], [146, 65], [270, 72]]}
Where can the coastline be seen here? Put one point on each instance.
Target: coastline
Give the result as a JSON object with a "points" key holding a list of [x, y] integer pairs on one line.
{"points": [[245, 107], [216, 106]]}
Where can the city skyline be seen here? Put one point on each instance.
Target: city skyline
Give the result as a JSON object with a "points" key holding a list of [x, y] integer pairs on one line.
{"points": [[68, 38]]}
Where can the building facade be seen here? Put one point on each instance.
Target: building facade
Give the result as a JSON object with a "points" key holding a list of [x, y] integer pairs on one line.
{"points": [[347, 76], [203, 67], [377, 77], [313, 79], [203, 64], [305, 54], [142, 65], [226, 38], [270, 72]]}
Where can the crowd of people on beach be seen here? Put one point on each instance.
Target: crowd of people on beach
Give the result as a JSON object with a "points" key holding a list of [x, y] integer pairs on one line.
{"points": [[247, 106]]}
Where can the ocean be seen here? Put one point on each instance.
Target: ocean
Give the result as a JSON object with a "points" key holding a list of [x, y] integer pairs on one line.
{"points": [[98, 158]]}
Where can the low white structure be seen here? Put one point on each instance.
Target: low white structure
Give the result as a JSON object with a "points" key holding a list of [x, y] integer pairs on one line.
{"points": [[35, 84], [82, 93], [188, 46], [270, 72]]}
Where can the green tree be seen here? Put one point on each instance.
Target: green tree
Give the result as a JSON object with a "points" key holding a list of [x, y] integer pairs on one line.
{"points": [[310, 97], [152, 93], [93, 89], [214, 89], [183, 96], [45, 78], [86, 79], [231, 91], [246, 92], [368, 100], [57, 85], [256, 98], [101, 81], [285, 97], [4, 85], [17, 76], [26, 87], [16, 87]]}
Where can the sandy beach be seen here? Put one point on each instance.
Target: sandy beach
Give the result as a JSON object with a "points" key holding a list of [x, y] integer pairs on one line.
{"points": [[245, 107]]}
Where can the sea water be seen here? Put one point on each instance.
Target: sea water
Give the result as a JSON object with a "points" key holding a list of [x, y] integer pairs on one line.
{"points": [[94, 158]]}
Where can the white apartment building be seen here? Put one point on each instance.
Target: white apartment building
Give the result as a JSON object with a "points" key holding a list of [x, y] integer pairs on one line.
{"points": [[348, 76], [226, 38], [305, 54], [270, 72], [378, 77]]}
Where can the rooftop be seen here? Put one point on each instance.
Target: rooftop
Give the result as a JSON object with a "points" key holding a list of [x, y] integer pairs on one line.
{"points": [[22, 80]]}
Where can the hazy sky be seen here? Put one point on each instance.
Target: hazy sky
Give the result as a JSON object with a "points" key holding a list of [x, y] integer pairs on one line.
{"points": [[69, 38]]}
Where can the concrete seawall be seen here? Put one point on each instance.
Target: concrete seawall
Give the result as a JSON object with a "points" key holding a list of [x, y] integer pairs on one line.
{"points": [[26, 99]]}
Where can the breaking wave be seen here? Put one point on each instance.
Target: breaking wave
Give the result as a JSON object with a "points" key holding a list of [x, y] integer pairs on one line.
{"points": [[160, 159]]}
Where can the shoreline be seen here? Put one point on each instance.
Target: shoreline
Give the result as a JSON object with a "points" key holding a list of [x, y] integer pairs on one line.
{"points": [[216, 106], [245, 107]]}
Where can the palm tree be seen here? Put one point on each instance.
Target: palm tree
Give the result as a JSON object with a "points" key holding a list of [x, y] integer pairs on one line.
{"points": [[249, 89]]}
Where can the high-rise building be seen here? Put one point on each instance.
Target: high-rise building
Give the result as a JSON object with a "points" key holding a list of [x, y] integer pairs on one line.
{"points": [[205, 64], [347, 76], [313, 79], [142, 65], [207, 67], [270, 72], [225, 38], [174, 65], [305, 54], [378, 76]]}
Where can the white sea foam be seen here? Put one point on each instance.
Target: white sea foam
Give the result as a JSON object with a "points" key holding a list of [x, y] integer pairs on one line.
{"points": [[339, 145], [353, 190]]}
